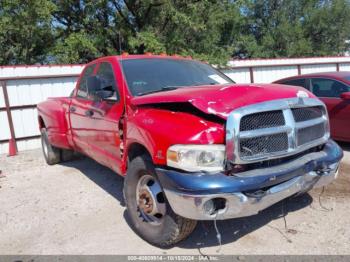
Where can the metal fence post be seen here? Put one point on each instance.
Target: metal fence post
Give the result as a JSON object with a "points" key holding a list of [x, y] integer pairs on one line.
{"points": [[251, 72], [12, 141], [299, 69]]}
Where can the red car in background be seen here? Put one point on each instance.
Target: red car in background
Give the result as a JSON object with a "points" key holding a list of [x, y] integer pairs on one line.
{"points": [[333, 88]]}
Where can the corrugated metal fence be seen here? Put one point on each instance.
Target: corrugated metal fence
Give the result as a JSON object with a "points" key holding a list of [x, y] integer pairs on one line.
{"points": [[22, 87], [269, 70]]}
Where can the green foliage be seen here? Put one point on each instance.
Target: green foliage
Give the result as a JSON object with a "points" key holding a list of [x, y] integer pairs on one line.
{"points": [[72, 31], [25, 31], [289, 28], [76, 48], [146, 42], [327, 26]]}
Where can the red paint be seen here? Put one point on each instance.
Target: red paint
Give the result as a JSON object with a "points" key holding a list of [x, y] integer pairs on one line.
{"points": [[220, 99], [345, 96], [12, 147], [338, 108], [112, 130]]}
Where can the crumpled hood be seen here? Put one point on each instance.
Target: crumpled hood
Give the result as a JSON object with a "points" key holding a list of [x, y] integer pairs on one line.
{"points": [[220, 100]]}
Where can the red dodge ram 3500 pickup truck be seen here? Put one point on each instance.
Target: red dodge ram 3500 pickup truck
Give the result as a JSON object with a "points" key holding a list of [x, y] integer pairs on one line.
{"points": [[191, 143]]}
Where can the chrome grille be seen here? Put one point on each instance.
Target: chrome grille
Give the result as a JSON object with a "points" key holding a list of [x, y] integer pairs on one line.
{"points": [[275, 128], [262, 120], [307, 113], [311, 133], [264, 144]]}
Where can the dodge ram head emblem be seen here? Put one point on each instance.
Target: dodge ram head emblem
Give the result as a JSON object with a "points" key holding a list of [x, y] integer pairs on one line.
{"points": [[302, 94]]}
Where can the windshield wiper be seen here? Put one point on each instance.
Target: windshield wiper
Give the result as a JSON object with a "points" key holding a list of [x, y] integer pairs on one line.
{"points": [[207, 84], [168, 88], [164, 88]]}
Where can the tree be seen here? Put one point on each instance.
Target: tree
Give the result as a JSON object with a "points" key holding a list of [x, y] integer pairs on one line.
{"points": [[288, 28], [203, 29], [83, 30], [25, 31], [77, 31], [327, 26], [88, 29]]}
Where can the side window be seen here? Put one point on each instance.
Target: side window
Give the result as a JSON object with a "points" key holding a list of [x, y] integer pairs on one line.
{"points": [[296, 82], [323, 87], [106, 74], [82, 88]]}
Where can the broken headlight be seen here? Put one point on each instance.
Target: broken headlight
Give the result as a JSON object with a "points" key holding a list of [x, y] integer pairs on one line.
{"points": [[196, 157]]}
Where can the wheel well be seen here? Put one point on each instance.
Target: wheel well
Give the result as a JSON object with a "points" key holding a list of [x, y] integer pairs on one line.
{"points": [[41, 122], [136, 150]]}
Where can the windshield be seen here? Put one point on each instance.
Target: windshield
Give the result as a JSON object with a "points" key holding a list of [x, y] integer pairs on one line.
{"points": [[146, 76]]}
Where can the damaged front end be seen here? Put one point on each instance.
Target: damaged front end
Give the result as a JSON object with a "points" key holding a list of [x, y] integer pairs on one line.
{"points": [[204, 196], [273, 150]]}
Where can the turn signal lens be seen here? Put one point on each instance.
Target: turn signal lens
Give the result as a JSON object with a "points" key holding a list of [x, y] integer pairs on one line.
{"points": [[172, 156]]}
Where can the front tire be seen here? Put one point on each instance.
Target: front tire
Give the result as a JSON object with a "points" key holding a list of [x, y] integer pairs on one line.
{"points": [[151, 215], [51, 154]]}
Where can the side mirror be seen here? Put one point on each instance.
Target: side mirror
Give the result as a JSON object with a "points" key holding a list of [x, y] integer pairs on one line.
{"points": [[345, 96], [104, 94], [97, 88], [93, 84]]}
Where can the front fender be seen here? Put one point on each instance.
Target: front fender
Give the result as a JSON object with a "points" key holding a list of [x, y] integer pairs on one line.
{"points": [[157, 130]]}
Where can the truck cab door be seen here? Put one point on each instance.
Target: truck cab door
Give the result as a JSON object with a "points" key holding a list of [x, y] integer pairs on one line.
{"points": [[329, 91], [104, 116], [80, 103]]}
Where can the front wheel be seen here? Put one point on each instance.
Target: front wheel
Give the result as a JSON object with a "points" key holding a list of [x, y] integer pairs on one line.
{"points": [[151, 215]]}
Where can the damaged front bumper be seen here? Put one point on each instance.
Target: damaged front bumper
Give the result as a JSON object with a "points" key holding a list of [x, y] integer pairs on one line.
{"points": [[203, 196]]}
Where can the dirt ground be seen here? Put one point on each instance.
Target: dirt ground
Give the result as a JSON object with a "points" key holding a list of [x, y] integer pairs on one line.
{"points": [[77, 208]]}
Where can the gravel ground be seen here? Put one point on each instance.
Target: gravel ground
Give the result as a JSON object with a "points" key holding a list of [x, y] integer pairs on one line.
{"points": [[77, 208]]}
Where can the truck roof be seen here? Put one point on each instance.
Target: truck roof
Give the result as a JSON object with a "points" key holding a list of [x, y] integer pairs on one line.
{"points": [[147, 55]]}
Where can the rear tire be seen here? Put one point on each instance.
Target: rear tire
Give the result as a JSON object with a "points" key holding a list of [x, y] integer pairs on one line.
{"points": [[149, 211], [51, 154]]}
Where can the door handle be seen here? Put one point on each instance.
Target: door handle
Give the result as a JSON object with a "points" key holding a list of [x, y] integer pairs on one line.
{"points": [[72, 109], [89, 113]]}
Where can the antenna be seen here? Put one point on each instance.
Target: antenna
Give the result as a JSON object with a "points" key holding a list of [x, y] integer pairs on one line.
{"points": [[119, 44]]}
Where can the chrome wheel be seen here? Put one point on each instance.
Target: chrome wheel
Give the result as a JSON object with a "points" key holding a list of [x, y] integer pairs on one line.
{"points": [[150, 200]]}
